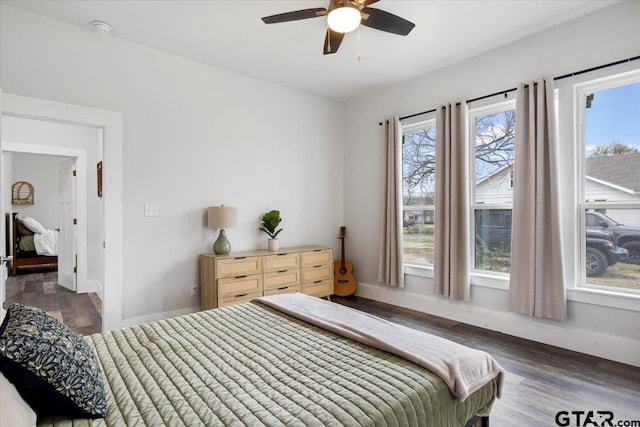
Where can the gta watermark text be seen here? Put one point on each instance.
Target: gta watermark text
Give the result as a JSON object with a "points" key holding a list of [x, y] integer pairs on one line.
{"points": [[592, 419]]}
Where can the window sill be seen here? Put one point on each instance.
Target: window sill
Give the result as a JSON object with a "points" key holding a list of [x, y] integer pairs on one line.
{"points": [[419, 270], [605, 298], [591, 296], [488, 280]]}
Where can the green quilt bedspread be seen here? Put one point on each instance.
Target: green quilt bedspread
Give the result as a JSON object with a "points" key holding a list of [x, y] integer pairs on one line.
{"points": [[251, 365]]}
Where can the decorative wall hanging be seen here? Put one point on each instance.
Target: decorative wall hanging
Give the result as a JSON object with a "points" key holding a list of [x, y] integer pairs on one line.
{"points": [[22, 193], [99, 169]]}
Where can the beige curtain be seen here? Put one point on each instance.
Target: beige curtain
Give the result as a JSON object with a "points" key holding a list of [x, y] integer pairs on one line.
{"points": [[537, 277], [451, 254], [390, 264]]}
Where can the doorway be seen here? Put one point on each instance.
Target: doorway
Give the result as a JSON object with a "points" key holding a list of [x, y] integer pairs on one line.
{"points": [[109, 126], [51, 282]]}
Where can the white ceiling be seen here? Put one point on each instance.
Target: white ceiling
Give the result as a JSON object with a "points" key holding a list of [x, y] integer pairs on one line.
{"points": [[230, 35]]}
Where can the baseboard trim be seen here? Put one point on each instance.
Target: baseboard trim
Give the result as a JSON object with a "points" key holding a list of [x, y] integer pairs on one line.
{"points": [[94, 285], [158, 316], [581, 340]]}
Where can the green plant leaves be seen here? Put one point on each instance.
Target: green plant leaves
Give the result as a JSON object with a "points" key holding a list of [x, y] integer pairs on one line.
{"points": [[270, 222]]}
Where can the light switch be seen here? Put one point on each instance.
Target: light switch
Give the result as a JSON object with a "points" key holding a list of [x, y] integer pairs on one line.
{"points": [[151, 210]]}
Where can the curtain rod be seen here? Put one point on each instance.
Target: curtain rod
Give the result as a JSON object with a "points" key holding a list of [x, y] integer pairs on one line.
{"points": [[505, 92]]}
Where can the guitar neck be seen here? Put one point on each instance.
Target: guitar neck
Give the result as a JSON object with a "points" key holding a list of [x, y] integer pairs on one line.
{"points": [[342, 253]]}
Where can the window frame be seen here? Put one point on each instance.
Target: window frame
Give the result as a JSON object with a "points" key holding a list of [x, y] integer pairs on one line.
{"points": [[580, 92], [415, 268], [482, 277]]}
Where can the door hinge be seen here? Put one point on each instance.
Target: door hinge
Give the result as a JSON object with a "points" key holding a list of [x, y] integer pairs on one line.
{"points": [[75, 269], [74, 173], [75, 221]]}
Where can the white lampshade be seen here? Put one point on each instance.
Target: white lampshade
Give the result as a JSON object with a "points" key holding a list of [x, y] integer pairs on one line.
{"points": [[222, 217], [344, 19]]}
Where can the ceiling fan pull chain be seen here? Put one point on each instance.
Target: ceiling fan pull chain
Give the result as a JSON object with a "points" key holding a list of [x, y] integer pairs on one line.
{"points": [[358, 44]]}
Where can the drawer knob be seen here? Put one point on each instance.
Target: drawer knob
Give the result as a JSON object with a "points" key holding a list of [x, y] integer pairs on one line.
{"points": [[283, 254], [318, 281], [241, 277], [283, 287], [240, 257], [282, 271], [241, 295]]}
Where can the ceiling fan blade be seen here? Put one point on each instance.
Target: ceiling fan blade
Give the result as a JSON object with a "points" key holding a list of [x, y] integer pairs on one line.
{"points": [[368, 2], [295, 15], [385, 21], [332, 41]]}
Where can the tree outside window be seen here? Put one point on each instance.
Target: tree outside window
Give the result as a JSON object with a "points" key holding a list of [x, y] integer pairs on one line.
{"points": [[493, 139], [418, 192]]}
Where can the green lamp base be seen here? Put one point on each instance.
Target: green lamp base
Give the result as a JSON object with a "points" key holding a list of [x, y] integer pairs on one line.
{"points": [[222, 245]]}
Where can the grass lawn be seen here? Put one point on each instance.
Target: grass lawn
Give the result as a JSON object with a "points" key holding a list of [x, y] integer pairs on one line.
{"points": [[419, 247]]}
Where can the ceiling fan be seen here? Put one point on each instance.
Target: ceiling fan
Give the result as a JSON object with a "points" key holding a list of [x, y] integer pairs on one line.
{"points": [[344, 16]]}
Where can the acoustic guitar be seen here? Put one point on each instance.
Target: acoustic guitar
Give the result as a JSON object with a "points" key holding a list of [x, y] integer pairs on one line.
{"points": [[344, 283]]}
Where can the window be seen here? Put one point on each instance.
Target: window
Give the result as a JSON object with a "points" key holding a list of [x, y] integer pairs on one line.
{"points": [[418, 192], [492, 136], [610, 183]]}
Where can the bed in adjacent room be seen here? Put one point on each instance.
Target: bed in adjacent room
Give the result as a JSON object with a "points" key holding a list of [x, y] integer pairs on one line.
{"points": [[31, 244], [279, 360]]}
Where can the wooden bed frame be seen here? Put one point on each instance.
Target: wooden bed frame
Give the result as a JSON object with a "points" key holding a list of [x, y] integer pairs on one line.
{"points": [[22, 260]]}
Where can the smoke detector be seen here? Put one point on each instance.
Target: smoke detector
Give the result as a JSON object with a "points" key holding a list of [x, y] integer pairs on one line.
{"points": [[101, 27]]}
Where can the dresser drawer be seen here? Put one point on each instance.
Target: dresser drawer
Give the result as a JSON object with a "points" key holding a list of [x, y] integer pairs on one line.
{"points": [[281, 278], [320, 272], [278, 262], [238, 299], [239, 285], [319, 288], [240, 266], [283, 290], [316, 257]]}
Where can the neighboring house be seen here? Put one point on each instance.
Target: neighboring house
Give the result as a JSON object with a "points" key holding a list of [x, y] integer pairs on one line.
{"points": [[608, 178], [614, 178], [497, 187]]}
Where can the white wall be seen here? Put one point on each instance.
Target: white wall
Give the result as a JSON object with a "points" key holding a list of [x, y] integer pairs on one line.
{"points": [[41, 172], [604, 37], [194, 136]]}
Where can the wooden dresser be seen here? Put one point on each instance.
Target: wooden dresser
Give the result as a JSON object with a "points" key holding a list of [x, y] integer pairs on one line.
{"points": [[241, 276]]}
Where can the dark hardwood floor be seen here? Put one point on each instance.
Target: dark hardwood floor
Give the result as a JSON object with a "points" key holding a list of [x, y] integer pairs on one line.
{"points": [[81, 312], [541, 379]]}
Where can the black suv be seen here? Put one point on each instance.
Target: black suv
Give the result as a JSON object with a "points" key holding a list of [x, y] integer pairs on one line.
{"points": [[493, 232], [624, 236], [602, 252]]}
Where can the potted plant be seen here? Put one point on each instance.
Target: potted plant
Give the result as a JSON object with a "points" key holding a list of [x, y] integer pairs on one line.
{"points": [[270, 222]]}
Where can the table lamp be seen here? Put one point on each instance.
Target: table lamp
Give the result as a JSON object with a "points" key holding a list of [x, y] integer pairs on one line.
{"points": [[222, 217]]}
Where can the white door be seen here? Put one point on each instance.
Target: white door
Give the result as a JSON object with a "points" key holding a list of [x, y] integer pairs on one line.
{"points": [[67, 236], [3, 236]]}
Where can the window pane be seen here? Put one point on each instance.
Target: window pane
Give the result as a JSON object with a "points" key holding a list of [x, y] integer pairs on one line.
{"points": [[612, 144], [418, 193], [613, 247], [494, 153], [417, 226], [493, 239], [611, 165]]}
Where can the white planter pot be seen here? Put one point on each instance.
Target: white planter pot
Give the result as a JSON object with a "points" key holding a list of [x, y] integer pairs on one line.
{"points": [[273, 245]]}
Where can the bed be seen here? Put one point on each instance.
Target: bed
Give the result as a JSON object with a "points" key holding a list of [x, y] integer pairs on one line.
{"points": [[23, 247], [255, 364]]}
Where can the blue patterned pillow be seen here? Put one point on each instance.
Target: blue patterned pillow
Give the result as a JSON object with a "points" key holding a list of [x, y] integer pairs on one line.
{"points": [[52, 367]]}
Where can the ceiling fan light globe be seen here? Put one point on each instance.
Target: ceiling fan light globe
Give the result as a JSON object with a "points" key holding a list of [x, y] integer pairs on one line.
{"points": [[344, 19]]}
